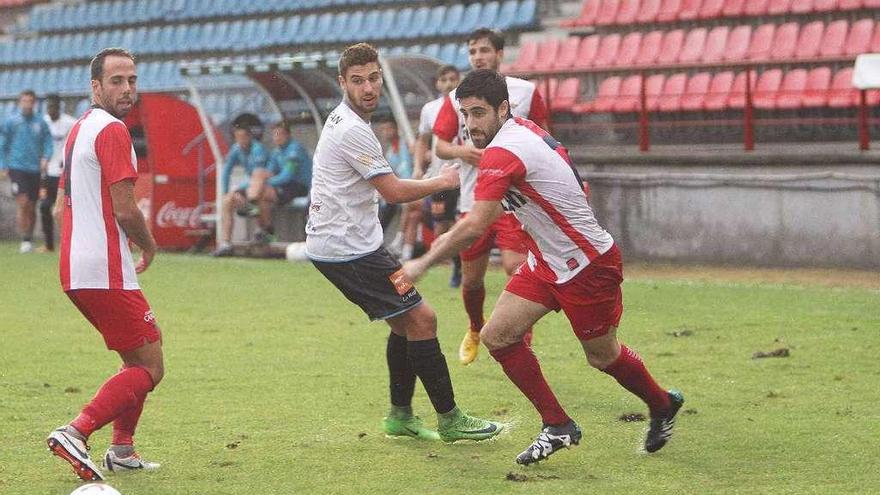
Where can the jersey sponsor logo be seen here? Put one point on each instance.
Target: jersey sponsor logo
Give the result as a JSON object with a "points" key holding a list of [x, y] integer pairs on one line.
{"points": [[334, 118], [171, 215], [149, 316], [401, 282], [572, 263], [513, 200]]}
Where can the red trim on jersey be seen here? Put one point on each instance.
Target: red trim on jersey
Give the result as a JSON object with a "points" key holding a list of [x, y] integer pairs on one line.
{"points": [[538, 112], [499, 168], [113, 149], [446, 124], [67, 220]]}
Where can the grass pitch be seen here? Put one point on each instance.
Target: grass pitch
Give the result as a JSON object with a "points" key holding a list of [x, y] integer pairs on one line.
{"points": [[277, 385]]}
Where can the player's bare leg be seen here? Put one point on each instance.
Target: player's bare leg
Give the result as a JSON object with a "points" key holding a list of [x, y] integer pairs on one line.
{"points": [[230, 203], [26, 218]]}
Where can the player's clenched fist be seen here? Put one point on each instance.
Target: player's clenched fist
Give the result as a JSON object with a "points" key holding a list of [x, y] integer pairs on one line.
{"points": [[449, 174]]}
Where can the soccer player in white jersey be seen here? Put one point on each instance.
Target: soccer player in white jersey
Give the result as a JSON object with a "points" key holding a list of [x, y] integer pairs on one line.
{"points": [[344, 242], [573, 264], [60, 125], [485, 51], [99, 218]]}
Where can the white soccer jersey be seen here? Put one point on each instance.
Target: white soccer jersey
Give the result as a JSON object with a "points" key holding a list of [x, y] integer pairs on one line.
{"points": [[94, 248], [426, 127], [525, 102], [59, 129], [343, 220], [531, 174]]}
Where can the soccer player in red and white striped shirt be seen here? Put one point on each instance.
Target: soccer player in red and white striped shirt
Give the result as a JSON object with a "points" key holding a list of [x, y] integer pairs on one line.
{"points": [[99, 218], [573, 264]]}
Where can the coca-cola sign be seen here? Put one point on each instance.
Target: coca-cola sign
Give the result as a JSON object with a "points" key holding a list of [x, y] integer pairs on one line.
{"points": [[171, 215]]}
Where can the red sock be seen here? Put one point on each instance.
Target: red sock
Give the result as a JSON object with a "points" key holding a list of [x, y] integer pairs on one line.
{"points": [[522, 367], [473, 305], [125, 424], [122, 391], [630, 372]]}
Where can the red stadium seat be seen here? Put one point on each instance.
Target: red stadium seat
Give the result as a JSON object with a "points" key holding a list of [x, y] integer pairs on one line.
{"points": [[777, 7], [767, 88], [605, 97], [875, 42], [566, 95], [587, 52], [548, 51], [693, 47], [648, 12], [650, 49], [719, 91], [669, 10], [672, 93], [653, 88], [858, 40], [834, 39], [608, 49], [690, 10], [850, 4], [527, 57], [587, 17], [716, 42], [627, 13], [628, 97], [791, 92], [607, 12], [629, 49], [762, 42], [568, 52], [733, 8], [711, 9], [695, 92], [785, 41], [806, 6], [671, 47], [809, 40], [871, 4], [841, 94], [737, 97], [738, 43], [816, 91], [756, 7]]}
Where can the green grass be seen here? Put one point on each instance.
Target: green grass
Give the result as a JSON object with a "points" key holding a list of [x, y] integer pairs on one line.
{"points": [[277, 385]]}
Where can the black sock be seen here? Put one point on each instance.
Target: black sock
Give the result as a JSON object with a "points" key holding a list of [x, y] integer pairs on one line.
{"points": [[429, 365], [402, 377], [456, 264]]}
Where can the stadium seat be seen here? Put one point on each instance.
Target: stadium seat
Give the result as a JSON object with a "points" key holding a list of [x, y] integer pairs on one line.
{"points": [[649, 11], [690, 10], [587, 17], [737, 97], [871, 4], [841, 94], [693, 47], [605, 97], [875, 42], [548, 52], [527, 57], [671, 47], [767, 88], [668, 10], [607, 52], [733, 8], [695, 92], [508, 15], [454, 18], [419, 20], [806, 6], [431, 29], [568, 52], [627, 98], [711, 9], [756, 7], [816, 89], [587, 50], [849, 4], [306, 28], [716, 45], [488, 13], [858, 40], [449, 53], [653, 88], [650, 49], [810, 40], [470, 19], [761, 42], [607, 12], [672, 93], [834, 40], [778, 7], [384, 24], [629, 49], [566, 95], [627, 13], [785, 41], [791, 92], [402, 22]]}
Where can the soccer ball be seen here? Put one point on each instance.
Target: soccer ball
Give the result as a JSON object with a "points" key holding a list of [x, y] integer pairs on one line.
{"points": [[296, 251], [95, 489]]}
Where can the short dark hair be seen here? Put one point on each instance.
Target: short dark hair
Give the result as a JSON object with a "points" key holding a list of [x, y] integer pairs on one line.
{"points": [[486, 84], [383, 118], [282, 124], [97, 65], [494, 37], [27, 92], [446, 69], [359, 54], [53, 98]]}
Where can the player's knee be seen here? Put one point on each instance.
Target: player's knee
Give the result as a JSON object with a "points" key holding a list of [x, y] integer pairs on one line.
{"points": [[600, 357]]}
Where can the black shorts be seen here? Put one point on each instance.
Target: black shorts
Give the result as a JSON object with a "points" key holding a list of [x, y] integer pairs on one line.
{"points": [[449, 200], [25, 183], [287, 192], [375, 282]]}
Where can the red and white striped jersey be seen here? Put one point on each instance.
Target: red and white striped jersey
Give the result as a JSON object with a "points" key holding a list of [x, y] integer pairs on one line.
{"points": [[531, 174], [525, 102], [94, 248]]}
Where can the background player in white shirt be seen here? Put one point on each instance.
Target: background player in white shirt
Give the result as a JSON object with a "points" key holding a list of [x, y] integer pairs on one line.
{"points": [[485, 51], [60, 125], [99, 217], [344, 242], [573, 264]]}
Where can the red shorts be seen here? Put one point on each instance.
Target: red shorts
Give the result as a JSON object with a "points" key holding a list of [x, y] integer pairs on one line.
{"points": [[123, 317], [506, 234], [592, 300]]}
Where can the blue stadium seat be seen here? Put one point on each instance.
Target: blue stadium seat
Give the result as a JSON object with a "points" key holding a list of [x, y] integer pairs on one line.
{"points": [[419, 23], [447, 53], [291, 27], [436, 17], [323, 28], [337, 28], [354, 28], [461, 57], [488, 15], [471, 19], [386, 22], [306, 29], [276, 30], [402, 21], [452, 21], [527, 15], [432, 50], [220, 36], [234, 34], [371, 22], [507, 15]]}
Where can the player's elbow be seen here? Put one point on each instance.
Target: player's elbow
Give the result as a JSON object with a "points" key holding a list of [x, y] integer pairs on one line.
{"points": [[125, 215]]}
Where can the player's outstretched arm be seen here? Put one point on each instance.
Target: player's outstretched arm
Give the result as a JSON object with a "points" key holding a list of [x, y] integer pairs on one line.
{"points": [[132, 221], [465, 152], [397, 190]]}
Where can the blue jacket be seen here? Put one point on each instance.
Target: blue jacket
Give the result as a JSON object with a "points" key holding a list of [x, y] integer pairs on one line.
{"points": [[253, 159], [290, 163], [24, 141]]}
